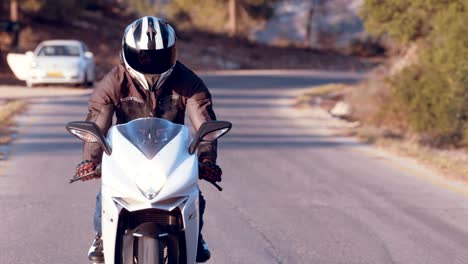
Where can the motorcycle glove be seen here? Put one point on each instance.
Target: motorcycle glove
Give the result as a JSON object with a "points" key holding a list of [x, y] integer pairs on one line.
{"points": [[86, 167], [210, 171]]}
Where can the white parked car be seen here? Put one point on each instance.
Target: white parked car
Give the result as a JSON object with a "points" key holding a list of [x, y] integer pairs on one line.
{"points": [[61, 61], [55, 62]]}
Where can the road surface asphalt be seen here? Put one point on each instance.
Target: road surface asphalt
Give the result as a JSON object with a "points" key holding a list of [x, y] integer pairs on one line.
{"points": [[292, 192]]}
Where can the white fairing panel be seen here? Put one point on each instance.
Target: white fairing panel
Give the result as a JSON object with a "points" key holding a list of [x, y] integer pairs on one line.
{"points": [[152, 170], [172, 172], [110, 217], [190, 214]]}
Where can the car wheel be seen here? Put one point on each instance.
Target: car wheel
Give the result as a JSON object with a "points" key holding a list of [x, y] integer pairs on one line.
{"points": [[89, 83], [85, 81]]}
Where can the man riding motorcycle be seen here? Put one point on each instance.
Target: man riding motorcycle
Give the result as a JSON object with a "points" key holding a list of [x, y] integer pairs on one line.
{"points": [[149, 82]]}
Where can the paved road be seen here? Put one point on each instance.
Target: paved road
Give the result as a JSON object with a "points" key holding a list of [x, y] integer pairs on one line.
{"points": [[293, 193]]}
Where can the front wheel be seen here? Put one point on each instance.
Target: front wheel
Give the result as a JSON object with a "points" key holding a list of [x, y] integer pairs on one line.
{"points": [[164, 250]]}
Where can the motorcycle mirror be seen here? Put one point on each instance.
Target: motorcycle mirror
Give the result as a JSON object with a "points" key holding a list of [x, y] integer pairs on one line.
{"points": [[212, 136], [209, 131], [89, 132]]}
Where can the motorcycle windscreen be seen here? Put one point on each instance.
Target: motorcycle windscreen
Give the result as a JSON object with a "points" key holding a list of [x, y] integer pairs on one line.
{"points": [[149, 135]]}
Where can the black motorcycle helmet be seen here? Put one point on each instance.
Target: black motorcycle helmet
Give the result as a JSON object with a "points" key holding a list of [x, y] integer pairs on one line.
{"points": [[148, 48]]}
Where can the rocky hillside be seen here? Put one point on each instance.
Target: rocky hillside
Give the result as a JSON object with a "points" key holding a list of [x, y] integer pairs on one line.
{"points": [[333, 24]]}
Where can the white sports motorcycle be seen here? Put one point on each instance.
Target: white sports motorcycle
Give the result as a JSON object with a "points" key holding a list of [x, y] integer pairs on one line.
{"points": [[149, 188]]}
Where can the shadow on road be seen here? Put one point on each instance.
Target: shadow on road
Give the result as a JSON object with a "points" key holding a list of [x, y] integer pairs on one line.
{"points": [[46, 147], [277, 82], [260, 144], [250, 102], [260, 109]]}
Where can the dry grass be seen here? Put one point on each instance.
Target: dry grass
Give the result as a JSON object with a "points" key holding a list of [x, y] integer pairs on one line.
{"points": [[452, 164], [8, 110], [369, 96], [318, 94]]}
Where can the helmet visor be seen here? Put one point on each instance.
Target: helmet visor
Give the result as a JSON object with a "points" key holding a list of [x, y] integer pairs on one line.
{"points": [[150, 61]]}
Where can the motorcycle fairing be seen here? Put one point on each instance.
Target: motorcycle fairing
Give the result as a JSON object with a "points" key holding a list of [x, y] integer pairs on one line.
{"points": [[172, 174]]}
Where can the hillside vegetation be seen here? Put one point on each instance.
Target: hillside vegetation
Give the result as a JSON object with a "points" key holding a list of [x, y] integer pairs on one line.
{"points": [[100, 24], [428, 96]]}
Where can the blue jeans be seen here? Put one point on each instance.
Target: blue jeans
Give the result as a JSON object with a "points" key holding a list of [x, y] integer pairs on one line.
{"points": [[98, 213]]}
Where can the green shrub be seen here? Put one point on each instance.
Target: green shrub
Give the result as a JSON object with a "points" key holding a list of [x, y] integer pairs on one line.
{"points": [[403, 20], [430, 104], [431, 95]]}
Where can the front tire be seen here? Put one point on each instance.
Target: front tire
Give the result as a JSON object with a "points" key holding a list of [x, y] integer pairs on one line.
{"points": [[150, 236], [86, 82], [163, 251]]}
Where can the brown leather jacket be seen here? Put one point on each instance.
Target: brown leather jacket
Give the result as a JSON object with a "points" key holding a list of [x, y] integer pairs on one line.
{"points": [[117, 93]]}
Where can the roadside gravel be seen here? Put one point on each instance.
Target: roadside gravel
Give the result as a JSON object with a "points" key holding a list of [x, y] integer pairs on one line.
{"points": [[445, 167]]}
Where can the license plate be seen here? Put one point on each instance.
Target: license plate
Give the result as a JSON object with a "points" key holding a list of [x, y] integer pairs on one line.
{"points": [[55, 74]]}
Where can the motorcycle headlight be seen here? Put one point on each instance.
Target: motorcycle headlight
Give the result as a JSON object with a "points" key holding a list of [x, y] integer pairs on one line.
{"points": [[150, 181]]}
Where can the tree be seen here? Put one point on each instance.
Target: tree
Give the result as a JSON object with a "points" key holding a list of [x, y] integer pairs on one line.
{"points": [[432, 93], [14, 17], [14, 11], [309, 21], [404, 20], [231, 16]]}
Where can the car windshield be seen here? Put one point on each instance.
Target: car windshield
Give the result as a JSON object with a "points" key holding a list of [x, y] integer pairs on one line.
{"points": [[149, 135], [59, 50]]}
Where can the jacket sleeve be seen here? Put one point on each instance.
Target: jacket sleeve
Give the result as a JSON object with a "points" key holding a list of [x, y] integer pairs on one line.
{"points": [[101, 107], [200, 109]]}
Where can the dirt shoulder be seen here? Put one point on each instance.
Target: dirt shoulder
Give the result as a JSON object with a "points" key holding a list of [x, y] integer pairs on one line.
{"points": [[451, 165], [9, 109], [14, 100]]}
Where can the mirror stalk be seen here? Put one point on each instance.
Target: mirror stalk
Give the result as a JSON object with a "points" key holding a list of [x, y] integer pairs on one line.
{"points": [[194, 145]]}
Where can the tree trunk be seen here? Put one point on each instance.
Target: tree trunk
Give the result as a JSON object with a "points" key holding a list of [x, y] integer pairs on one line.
{"points": [[14, 17], [310, 16], [232, 26], [14, 11]]}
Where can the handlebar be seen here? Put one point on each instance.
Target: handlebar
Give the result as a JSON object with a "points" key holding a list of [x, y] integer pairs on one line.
{"points": [[215, 185], [77, 178]]}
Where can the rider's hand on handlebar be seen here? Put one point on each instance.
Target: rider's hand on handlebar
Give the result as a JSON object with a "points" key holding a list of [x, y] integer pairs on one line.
{"points": [[87, 167], [210, 171]]}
